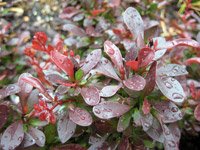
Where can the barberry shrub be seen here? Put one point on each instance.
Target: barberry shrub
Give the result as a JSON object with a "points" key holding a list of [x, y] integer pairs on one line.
{"points": [[106, 100]]}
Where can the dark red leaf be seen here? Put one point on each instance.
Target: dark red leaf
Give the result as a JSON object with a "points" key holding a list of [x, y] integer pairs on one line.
{"points": [[68, 12], [133, 64], [145, 56], [135, 83], [146, 107], [4, 112]]}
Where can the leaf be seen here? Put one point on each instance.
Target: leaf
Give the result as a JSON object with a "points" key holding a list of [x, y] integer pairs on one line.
{"points": [[80, 117], [159, 47], [37, 123], [173, 70], [197, 112], [41, 37], [124, 144], [149, 144], [124, 121], [4, 112], [194, 60], [37, 135], [133, 64], [75, 30], [66, 128], [28, 140], [63, 62], [145, 56], [147, 121], [134, 22], [90, 95], [68, 12], [135, 83], [173, 127], [150, 79], [168, 111], [110, 90], [146, 107], [171, 88], [12, 136], [69, 147], [108, 110], [91, 61], [97, 143], [114, 53], [79, 74], [9, 90], [105, 67]]}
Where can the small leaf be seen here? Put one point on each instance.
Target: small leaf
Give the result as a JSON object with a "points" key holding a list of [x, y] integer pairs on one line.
{"points": [[146, 107], [159, 47], [149, 144], [109, 90], [80, 117], [135, 83], [108, 110], [79, 74], [65, 128], [37, 123], [147, 121], [91, 61], [12, 136], [37, 135], [124, 121], [134, 22], [197, 112], [4, 112], [9, 90], [133, 64], [74, 30], [194, 60], [90, 95], [145, 56], [28, 140]]}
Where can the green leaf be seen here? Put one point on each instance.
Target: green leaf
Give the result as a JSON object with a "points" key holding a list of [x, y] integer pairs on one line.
{"points": [[79, 74], [124, 121], [149, 144], [182, 9], [37, 123], [50, 133], [136, 115], [84, 81]]}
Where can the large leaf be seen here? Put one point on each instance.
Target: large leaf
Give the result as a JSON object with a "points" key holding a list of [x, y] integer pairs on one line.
{"points": [[114, 53], [168, 111], [110, 90], [63, 62], [38, 136], [105, 67], [171, 88], [65, 128], [90, 95], [134, 22], [145, 56], [108, 110], [12, 136], [80, 117], [135, 83], [173, 70], [9, 90], [4, 112], [74, 30], [91, 61]]}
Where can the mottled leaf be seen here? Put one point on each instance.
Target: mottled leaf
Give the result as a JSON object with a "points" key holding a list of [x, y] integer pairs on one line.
{"points": [[135, 83], [12, 136], [110, 90], [146, 107], [97, 143], [4, 112], [9, 90], [74, 30], [145, 56], [80, 117], [68, 12], [108, 110], [90, 95], [37, 135]]}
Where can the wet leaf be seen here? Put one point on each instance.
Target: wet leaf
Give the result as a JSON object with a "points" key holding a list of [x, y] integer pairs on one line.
{"points": [[134, 22], [159, 47], [12, 136], [171, 88], [91, 61], [28, 140], [74, 30], [145, 56], [80, 117], [4, 112], [9, 90], [110, 90], [37, 135], [108, 110], [90, 95], [135, 83], [65, 128], [147, 121]]}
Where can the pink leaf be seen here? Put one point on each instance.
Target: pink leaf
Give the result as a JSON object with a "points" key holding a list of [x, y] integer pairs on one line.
{"points": [[146, 107], [91, 61], [74, 30], [105, 67], [110, 90], [197, 112], [68, 12], [66, 128], [9, 90], [114, 53], [63, 62], [80, 117], [90, 95], [12, 136], [37, 135], [108, 110], [159, 46], [134, 22], [145, 56], [194, 60], [4, 112], [135, 83]]}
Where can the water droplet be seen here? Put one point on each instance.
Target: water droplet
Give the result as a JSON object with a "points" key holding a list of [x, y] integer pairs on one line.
{"points": [[174, 109], [20, 139], [111, 51], [97, 111], [168, 85], [11, 87], [177, 96], [146, 125], [87, 61], [171, 143], [172, 79], [106, 61]]}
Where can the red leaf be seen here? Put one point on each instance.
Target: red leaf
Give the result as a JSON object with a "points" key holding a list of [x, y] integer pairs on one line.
{"points": [[96, 12], [4, 112], [63, 62], [108, 110], [133, 64], [194, 60], [197, 112], [145, 56], [146, 107], [135, 83], [40, 37]]}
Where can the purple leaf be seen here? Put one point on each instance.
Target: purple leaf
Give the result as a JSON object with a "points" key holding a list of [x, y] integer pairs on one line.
{"points": [[80, 117], [134, 22], [124, 144], [150, 79], [147, 121], [105, 67], [97, 143], [110, 90], [12, 136], [65, 128], [68, 12], [90, 95], [170, 87], [33, 98], [145, 56], [28, 140], [4, 112], [74, 29], [37, 135], [173, 127], [114, 53], [91, 61], [173, 70], [108, 110], [135, 83], [197, 112], [55, 78], [9, 90]]}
